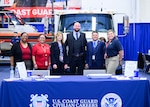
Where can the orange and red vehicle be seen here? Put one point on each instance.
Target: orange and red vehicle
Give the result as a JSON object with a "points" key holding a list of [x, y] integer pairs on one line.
{"points": [[10, 23]]}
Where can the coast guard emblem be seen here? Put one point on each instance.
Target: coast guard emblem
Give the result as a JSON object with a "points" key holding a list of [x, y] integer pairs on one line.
{"points": [[111, 100], [39, 101]]}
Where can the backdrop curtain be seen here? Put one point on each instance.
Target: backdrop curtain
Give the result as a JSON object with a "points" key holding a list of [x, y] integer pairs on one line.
{"points": [[138, 40]]}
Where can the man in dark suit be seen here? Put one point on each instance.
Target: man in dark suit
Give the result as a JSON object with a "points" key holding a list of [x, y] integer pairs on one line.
{"points": [[76, 44], [95, 53]]}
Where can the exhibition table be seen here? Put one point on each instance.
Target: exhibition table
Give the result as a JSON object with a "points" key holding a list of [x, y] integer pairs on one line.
{"points": [[75, 91]]}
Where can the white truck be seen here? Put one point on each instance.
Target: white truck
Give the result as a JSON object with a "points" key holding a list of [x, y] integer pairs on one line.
{"points": [[89, 20]]}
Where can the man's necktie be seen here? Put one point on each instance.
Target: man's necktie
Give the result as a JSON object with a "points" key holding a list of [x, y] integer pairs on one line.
{"points": [[94, 44], [76, 36]]}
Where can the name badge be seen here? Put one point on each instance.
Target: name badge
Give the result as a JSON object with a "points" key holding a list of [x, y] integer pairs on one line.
{"points": [[93, 57], [61, 58], [46, 63]]}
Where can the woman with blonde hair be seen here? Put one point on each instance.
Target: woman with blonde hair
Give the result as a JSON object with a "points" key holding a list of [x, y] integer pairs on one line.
{"points": [[58, 55]]}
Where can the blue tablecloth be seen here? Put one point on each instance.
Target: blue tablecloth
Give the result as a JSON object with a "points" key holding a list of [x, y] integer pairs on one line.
{"points": [[75, 91]]}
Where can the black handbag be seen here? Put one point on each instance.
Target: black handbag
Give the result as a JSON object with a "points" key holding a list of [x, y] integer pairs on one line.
{"points": [[119, 70]]}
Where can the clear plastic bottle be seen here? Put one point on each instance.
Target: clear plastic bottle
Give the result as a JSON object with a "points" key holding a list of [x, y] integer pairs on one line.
{"points": [[16, 72], [11, 73]]}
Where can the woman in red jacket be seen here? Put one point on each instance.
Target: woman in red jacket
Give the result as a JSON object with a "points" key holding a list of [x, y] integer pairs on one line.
{"points": [[41, 54]]}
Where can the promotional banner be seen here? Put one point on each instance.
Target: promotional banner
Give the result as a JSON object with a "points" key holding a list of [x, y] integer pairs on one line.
{"points": [[34, 10]]}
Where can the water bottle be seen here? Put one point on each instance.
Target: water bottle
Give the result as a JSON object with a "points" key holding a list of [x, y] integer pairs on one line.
{"points": [[136, 73], [16, 72], [11, 73]]}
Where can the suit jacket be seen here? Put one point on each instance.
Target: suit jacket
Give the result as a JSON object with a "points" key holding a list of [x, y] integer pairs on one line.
{"points": [[55, 52], [69, 42], [98, 52]]}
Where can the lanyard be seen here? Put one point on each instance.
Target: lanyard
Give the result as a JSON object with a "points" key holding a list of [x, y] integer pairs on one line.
{"points": [[44, 50], [45, 55]]}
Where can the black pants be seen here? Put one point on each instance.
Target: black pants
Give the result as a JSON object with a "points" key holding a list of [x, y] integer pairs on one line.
{"points": [[28, 64], [77, 65], [94, 65], [59, 71]]}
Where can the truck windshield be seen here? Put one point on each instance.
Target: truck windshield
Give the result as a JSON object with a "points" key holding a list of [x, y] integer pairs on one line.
{"points": [[89, 22]]}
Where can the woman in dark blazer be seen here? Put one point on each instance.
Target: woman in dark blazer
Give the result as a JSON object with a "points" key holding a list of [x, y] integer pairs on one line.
{"points": [[58, 55], [22, 51]]}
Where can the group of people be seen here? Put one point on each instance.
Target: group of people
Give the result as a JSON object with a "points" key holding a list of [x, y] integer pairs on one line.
{"points": [[34, 57], [70, 57]]}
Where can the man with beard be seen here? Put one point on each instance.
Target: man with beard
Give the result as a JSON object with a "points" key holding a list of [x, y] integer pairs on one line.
{"points": [[76, 44]]}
